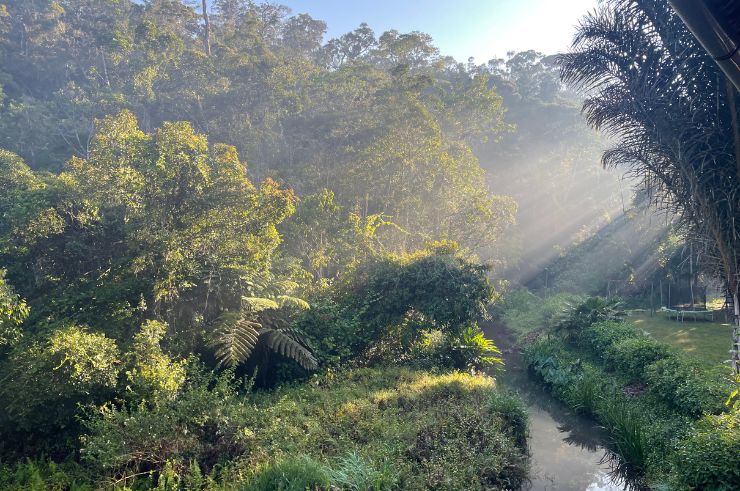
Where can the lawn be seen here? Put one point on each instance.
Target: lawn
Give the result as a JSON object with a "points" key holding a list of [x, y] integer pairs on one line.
{"points": [[708, 341]]}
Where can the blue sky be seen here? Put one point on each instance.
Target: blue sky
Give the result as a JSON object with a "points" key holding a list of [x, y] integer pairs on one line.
{"points": [[480, 28]]}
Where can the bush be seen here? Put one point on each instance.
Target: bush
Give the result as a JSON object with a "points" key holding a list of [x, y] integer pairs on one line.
{"points": [[688, 386], [575, 318], [600, 336], [632, 355], [46, 380], [199, 426], [384, 307], [708, 457]]}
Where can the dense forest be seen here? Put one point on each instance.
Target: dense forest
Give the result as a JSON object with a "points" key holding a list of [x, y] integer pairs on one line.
{"points": [[235, 254]]}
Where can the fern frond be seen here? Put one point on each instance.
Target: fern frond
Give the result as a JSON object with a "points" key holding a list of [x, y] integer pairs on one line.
{"points": [[284, 343], [294, 302], [258, 304], [234, 338]]}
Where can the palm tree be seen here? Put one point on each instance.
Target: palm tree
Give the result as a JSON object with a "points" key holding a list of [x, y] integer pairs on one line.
{"points": [[673, 114]]}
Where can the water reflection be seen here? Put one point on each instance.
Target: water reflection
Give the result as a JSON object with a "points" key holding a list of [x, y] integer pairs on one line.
{"points": [[568, 451]]}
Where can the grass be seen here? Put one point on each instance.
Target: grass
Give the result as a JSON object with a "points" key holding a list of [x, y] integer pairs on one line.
{"points": [[391, 428], [707, 341]]}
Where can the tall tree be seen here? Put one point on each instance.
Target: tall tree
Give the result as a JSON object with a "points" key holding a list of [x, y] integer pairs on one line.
{"points": [[651, 85]]}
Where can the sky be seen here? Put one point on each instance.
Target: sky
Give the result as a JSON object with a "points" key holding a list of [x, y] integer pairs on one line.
{"points": [[484, 29]]}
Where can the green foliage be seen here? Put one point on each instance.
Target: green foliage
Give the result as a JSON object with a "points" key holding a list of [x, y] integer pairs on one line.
{"points": [[197, 426], [707, 457], [633, 355], [388, 305], [523, 311], [627, 431], [152, 374], [375, 430], [45, 379], [575, 318], [690, 387], [601, 336], [42, 475], [356, 473], [297, 473], [236, 334], [13, 311]]}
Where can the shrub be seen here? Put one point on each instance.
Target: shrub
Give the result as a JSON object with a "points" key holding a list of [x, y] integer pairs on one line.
{"points": [[199, 426], [575, 318], [688, 386], [632, 355], [46, 379], [708, 457], [469, 351], [152, 375], [383, 308], [600, 336]]}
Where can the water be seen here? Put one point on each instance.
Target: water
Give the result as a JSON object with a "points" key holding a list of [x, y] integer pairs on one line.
{"points": [[568, 451]]}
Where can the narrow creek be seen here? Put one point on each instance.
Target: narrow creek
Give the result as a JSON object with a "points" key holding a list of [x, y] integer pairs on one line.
{"points": [[568, 451]]}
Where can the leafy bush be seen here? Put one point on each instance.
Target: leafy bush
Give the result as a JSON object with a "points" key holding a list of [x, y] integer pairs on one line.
{"points": [[13, 311], [549, 359], [198, 426], [577, 317], [632, 355], [688, 386], [152, 376], [46, 379], [391, 301], [708, 457], [470, 351], [600, 336]]}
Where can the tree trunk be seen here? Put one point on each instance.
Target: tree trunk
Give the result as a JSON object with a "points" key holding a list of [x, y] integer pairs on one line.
{"points": [[207, 28]]}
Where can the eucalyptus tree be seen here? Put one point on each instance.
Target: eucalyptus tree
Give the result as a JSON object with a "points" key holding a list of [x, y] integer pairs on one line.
{"points": [[651, 85]]}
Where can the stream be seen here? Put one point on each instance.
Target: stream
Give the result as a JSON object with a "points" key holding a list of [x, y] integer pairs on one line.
{"points": [[568, 451]]}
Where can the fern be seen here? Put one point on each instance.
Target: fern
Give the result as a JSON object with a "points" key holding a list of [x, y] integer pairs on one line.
{"points": [[286, 343], [234, 338], [237, 333], [295, 302], [258, 304]]}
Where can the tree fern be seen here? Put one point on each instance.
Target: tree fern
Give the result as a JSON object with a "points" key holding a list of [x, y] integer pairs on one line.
{"points": [[286, 342], [237, 333], [234, 338]]}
